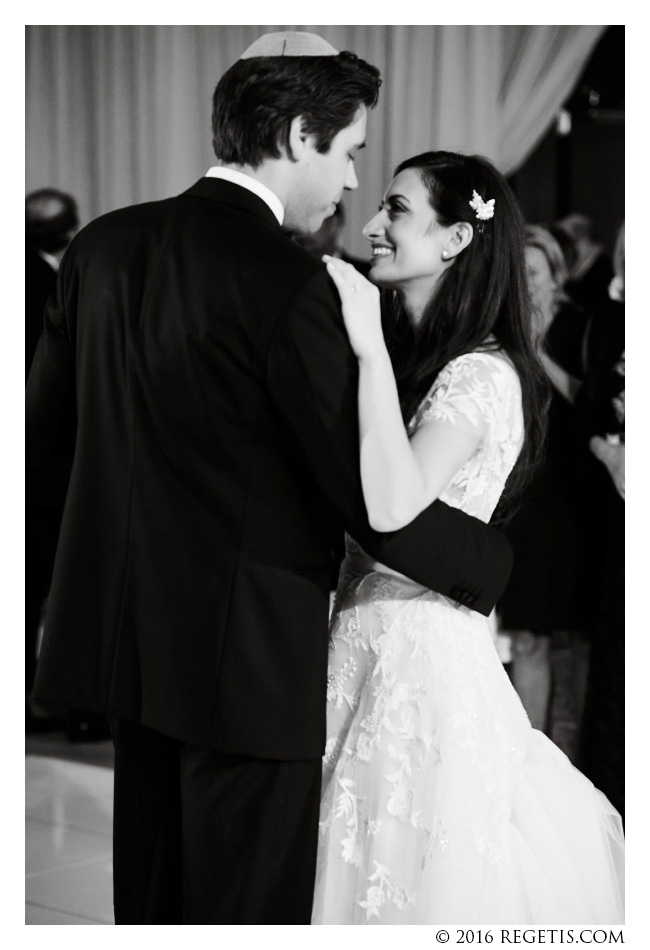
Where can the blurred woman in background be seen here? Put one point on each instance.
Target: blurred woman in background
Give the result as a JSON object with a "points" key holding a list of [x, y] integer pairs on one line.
{"points": [[542, 605]]}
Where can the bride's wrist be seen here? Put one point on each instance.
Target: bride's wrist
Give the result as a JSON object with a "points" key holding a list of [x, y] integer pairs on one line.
{"points": [[375, 357]]}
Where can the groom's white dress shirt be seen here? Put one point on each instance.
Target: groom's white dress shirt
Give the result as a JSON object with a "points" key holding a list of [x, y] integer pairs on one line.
{"points": [[239, 178]]}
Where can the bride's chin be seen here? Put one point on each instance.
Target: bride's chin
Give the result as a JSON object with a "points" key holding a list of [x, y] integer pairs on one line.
{"points": [[380, 281], [379, 276]]}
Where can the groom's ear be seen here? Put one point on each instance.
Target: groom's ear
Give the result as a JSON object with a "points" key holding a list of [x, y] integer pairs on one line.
{"points": [[298, 141]]}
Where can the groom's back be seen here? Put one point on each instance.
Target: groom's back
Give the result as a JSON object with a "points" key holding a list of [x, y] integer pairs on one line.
{"points": [[190, 589]]}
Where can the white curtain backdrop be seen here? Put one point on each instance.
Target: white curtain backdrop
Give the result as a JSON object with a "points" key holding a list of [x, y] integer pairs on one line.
{"points": [[121, 114]]}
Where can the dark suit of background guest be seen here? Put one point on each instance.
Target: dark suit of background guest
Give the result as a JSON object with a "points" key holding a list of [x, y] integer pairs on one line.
{"points": [[597, 352], [40, 281], [50, 222], [599, 411], [44, 503], [196, 370]]}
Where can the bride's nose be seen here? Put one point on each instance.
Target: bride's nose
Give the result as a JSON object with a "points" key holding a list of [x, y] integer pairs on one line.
{"points": [[374, 228]]}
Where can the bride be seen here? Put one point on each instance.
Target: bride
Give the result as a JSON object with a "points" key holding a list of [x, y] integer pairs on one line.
{"points": [[440, 803]]}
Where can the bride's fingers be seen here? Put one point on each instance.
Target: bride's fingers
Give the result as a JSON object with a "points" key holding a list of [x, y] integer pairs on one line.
{"points": [[340, 281], [349, 273], [334, 274], [346, 283]]}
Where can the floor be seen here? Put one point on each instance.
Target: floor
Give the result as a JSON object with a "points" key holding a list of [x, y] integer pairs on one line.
{"points": [[69, 805]]}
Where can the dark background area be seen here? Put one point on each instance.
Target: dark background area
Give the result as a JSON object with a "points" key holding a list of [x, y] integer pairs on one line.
{"points": [[584, 169]]}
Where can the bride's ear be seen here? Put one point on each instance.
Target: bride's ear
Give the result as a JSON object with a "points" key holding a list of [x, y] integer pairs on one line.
{"points": [[460, 237]]}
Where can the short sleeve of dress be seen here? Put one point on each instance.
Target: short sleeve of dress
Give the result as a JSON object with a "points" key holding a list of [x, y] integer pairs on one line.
{"points": [[479, 389], [469, 389]]}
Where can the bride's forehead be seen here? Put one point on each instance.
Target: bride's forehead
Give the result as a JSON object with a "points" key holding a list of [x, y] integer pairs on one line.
{"points": [[406, 182]]}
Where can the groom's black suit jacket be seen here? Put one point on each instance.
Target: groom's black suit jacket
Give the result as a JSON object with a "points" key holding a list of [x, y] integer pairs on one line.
{"points": [[195, 371]]}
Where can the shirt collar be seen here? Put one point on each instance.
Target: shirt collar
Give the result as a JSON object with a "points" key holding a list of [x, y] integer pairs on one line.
{"points": [[252, 184]]}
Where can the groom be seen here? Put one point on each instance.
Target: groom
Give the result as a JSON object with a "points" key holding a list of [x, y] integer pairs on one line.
{"points": [[195, 371]]}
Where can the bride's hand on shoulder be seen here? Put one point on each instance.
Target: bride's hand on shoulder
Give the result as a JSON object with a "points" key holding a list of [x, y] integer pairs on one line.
{"points": [[360, 307]]}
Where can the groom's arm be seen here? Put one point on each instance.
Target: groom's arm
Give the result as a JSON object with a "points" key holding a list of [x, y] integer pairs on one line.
{"points": [[313, 376]]}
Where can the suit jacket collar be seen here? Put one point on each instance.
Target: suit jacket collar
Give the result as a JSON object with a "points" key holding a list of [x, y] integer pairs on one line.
{"points": [[228, 193]]}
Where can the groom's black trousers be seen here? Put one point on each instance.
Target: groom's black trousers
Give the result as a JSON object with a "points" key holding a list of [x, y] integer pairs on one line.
{"points": [[200, 837]]}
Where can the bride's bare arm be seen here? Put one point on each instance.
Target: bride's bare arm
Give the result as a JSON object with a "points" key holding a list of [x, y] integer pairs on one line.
{"points": [[400, 477]]}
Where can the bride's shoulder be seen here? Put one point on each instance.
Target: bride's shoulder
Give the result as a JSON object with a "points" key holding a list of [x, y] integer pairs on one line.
{"points": [[476, 385], [479, 368]]}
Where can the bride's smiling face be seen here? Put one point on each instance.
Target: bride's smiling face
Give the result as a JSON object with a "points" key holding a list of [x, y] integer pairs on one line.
{"points": [[407, 239]]}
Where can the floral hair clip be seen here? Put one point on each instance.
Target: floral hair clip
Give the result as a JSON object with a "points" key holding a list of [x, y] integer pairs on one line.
{"points": [[484, 209]]}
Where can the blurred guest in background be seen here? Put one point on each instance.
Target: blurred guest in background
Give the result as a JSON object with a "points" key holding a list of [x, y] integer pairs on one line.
{"points": [[600, 413], [590, 268], [540, 607], [566, 243], [51, 221]]}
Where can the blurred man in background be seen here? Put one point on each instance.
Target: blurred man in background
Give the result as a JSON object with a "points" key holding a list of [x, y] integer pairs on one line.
{"points": [[590, 268], [51, 221]]}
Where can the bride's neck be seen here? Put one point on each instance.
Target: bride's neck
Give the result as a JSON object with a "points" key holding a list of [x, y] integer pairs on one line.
{"points": [[414, 301]]}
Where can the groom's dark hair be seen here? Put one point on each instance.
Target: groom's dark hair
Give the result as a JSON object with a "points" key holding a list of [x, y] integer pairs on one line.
{"points": [[257, 99]]}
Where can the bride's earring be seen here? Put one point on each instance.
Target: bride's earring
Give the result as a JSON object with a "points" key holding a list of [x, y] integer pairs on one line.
{"points": [[444, 255]]}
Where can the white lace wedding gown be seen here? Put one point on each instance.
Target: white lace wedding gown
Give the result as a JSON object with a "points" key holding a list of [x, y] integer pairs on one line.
{"points": [[440, 803]]}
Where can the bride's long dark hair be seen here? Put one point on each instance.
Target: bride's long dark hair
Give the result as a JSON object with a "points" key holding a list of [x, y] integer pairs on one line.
{"points": [[481, 302]]}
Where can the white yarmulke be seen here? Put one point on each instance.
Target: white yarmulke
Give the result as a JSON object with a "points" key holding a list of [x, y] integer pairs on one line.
{"points": [[289, 43]]}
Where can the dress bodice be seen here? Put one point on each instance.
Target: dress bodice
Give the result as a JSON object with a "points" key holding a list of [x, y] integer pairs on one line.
{"points": [[480, 387]]}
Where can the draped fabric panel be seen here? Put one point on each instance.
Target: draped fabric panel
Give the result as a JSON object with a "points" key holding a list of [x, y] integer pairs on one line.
{"points": [[121, 114], [544, 63]]}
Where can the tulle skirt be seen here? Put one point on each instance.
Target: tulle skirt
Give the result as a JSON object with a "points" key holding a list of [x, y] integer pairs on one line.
{"points": [[440, 803]]}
